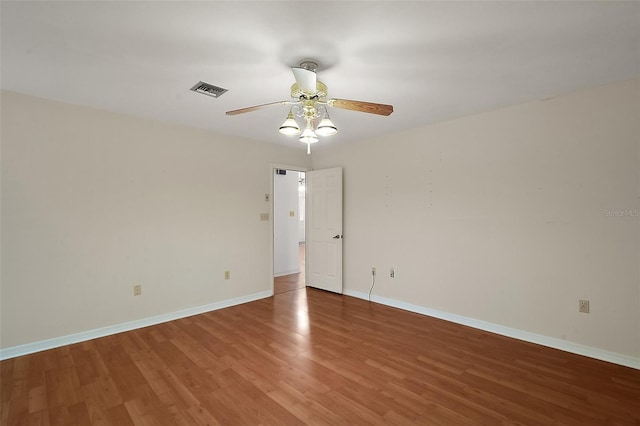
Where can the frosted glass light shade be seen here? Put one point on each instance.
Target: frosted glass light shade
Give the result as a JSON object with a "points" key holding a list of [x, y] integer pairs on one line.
{"points": [[289, 127], [326, 128], [308, 136]]}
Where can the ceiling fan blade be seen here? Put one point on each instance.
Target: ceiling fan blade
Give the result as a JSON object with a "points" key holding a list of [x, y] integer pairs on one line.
{"points": [[370, 107], [255, 107], [306, 79]]}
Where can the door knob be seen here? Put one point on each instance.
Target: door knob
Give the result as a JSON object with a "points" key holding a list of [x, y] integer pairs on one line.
{"points": [[337, 237]]}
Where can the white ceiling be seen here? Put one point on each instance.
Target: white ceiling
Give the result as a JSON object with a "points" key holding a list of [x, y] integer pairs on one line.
{"points": [[433, 61]]}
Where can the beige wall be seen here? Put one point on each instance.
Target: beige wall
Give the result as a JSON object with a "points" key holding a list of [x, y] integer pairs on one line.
{"points": [[501, 217], [507, 217], [94, 202]]}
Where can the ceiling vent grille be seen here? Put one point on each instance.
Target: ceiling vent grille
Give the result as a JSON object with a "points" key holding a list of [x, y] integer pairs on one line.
{"points": [[208, 89]]}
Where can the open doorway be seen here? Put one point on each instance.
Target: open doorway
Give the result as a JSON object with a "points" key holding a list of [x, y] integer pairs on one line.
{"points": [[289, 192]]}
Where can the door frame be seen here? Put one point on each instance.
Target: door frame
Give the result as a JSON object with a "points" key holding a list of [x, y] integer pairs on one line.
{"points": [[272, 167]]}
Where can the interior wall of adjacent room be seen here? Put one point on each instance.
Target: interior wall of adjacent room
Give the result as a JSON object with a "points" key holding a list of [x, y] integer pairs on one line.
{"points": [[285, 224], [509, 216], [95, 202]]}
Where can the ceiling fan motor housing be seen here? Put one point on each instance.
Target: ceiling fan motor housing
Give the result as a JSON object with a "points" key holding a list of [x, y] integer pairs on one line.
{"points": [[321, 91]]}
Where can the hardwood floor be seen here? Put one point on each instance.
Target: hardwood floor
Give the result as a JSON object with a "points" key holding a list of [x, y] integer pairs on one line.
{"points": [[293, 281], [312, 357]]}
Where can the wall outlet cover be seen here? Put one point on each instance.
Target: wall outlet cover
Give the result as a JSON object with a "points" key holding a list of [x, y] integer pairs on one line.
{"points": [[583, 306]]}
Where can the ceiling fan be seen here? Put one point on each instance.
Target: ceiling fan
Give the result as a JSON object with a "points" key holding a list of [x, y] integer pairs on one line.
{"points": [[309, 104]]}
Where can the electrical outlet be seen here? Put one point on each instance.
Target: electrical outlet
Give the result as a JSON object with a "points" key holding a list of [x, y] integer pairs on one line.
{"points": [[373, 270], [137, 290], [583, 306], [392, 273], [264, 217], [227, 275]]}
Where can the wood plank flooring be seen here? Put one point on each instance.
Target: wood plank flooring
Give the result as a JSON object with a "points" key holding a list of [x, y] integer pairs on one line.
{"points": [[293, 281], [311, 357]]}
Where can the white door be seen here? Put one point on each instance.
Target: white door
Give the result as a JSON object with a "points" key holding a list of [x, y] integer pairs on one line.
{"points": [[324, 227]]}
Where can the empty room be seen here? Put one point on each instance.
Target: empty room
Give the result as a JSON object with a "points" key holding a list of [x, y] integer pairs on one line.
{"points": [[319, 213]]}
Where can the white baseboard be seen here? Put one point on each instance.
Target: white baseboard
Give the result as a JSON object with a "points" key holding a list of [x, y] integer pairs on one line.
{"points": [[56, 342], [551, 342], [289, 272], [563, 345]]}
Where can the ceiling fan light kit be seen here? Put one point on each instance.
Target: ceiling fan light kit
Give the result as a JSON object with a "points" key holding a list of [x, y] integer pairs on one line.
{"points": [[309, 104]]}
